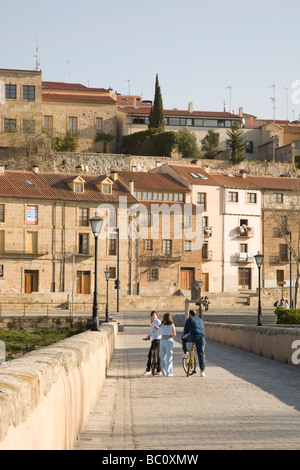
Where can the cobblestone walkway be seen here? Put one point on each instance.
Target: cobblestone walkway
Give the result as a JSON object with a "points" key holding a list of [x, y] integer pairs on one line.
{"points": [[245, 401]]}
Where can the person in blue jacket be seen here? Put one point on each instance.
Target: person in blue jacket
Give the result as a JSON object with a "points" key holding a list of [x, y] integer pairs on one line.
{"points": [[194, 332]]}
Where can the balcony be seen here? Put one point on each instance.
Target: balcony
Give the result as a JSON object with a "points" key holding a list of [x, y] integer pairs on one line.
{"points": [[245, 231], [19, 251], [244, 257], [279, 259], [81, 251], [155, 255]]}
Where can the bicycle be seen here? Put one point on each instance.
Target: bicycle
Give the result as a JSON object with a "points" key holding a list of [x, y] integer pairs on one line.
{"points": [[154, 358], [189, 362]]}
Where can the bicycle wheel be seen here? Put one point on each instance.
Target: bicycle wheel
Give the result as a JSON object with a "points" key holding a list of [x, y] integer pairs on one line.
{"points": [[191, 363], [153, 363]]}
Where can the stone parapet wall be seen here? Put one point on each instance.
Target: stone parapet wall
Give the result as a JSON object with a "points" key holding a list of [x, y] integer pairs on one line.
{"points": [[47, 395], [276, 343]]}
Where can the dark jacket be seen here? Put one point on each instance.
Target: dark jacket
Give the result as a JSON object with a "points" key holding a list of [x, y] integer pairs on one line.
{"points": [[194, 326]]}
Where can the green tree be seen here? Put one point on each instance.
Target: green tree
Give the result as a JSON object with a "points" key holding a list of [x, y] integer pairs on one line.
{"points": [[236, 143], [210, 144], [156, 116], [187, 144], [68, 144], [104, 137]]}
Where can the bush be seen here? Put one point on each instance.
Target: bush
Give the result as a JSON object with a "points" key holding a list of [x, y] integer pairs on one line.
{"points": [[290, 316], [150, 142]]}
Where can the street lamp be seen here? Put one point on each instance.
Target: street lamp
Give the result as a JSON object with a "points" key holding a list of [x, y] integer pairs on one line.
{"points": [[289, 232], [107, 276], [117, 230], [96, 224], [200, 283], [259, 261]]}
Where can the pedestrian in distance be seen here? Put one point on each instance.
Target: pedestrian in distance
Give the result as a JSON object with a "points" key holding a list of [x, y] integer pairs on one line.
{"points": [[206, 303], [155, 337], [194, 332], [168, 332]]}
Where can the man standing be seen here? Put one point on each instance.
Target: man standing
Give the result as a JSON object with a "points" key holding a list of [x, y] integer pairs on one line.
{"points": [[194, 332], [155, 342]]}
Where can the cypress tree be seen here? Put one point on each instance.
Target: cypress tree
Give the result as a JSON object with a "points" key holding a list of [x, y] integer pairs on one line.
{"points": [[156, 116], [236, 143]]}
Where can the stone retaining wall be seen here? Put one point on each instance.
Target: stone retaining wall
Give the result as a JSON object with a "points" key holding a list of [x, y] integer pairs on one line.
{"points": [[278, 343], [47, 395]]}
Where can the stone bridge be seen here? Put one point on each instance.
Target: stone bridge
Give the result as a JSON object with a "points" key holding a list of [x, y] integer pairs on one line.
{"points": [[89, 392]]}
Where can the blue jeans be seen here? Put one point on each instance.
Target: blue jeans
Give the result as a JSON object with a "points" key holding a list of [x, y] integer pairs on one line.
{"points": [[166, 355], [200, 346]]}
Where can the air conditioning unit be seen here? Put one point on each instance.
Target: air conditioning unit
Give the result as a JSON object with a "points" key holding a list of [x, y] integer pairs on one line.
{"points": [[208, 230]]}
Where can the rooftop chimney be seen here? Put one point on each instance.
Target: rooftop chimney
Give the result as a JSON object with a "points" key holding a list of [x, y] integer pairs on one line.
{"points": [[114, 175], [131, 186], [35, 169], [190, 108], [243, 173]]}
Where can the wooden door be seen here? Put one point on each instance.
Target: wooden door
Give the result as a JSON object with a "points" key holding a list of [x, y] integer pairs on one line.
{"points": [[83, 282], [205, 280], [244, 278], [31, 281], [31, 242], [187, 276]]}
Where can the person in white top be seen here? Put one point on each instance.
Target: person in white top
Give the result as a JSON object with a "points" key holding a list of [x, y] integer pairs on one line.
{"points": [[155, 337], [167, 331]]}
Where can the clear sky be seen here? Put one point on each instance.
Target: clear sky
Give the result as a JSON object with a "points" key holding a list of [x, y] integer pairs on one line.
{"points": [[198, 48]]}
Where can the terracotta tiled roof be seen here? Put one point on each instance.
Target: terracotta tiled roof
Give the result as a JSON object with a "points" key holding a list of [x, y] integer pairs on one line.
{"points": [[177, 112], [151, 181], [77, 97], [57, 182], [55, 186], [70, 87], [23, 184]]}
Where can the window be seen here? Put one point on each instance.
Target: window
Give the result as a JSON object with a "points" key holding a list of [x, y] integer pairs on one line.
{"points": [[78, 187], [112, 246], [29, 92], [243, 248], [252, 198], [107, 188], [73, 125], [83, 217], [1, 212], [48, 123], [167, 247], [187, 245], [249, 146], [149, 245], [198, 122], [278, 197], [11, 91], [233, 196], [28, 126], [212, 123], [10, 125], [83, 248], [279, 276], [205, 251], [283, 252], [32, 215], [154, 274], [174, 121], [201, 200], [187, 221], [98, 124], [1, 270], [112, 271]]}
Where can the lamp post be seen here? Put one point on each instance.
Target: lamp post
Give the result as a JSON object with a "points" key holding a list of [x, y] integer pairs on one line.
{"points": [[117, 230], [96, 224], [107, 276], [259, 261], [200, 283], [291, 296]]}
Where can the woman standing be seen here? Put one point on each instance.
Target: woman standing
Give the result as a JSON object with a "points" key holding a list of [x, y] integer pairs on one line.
{"points": [[167, 331]]}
